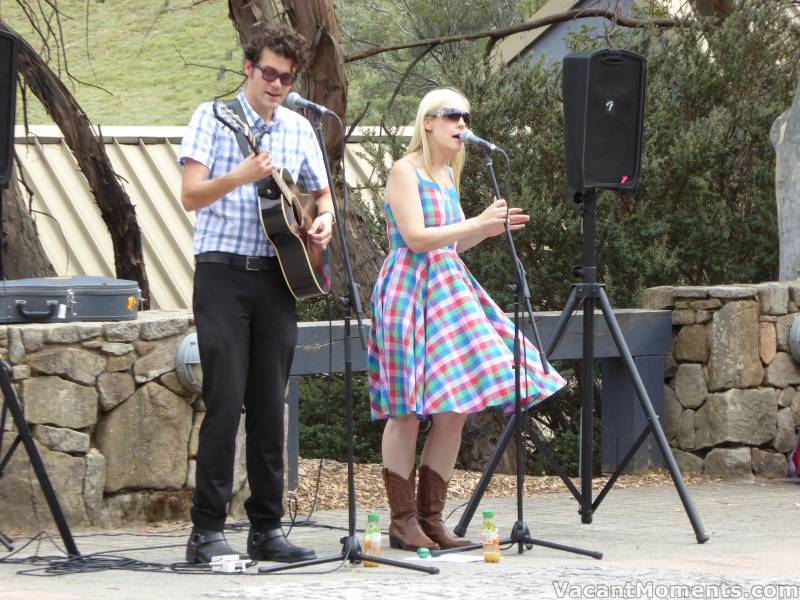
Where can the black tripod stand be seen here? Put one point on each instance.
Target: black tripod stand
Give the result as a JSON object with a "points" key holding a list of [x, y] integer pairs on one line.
{"points": [[11, 404], [520, 533], [351, 548], [585, 294]]}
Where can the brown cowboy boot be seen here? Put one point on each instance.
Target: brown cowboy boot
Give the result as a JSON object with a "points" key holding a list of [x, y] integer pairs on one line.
{"points": [[431, 497], [404, 530]]}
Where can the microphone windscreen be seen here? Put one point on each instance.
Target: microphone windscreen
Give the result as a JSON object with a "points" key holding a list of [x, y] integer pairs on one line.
{"points": [[291, 100]]}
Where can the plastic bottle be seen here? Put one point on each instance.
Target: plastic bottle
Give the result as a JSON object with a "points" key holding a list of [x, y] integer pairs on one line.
{"points": [[490, 538], [372, 539]]}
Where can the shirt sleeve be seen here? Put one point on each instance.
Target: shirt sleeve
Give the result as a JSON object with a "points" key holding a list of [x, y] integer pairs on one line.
{"points": [[312, 168], [198, 142]]}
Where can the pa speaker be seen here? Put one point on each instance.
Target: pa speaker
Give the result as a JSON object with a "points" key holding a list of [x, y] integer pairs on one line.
{"points": [[603, 112], [8, 102]]}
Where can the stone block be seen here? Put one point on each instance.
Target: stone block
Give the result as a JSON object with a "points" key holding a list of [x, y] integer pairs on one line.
{"points": [[657, 298], [116, 348], [93, 485], [773, 298], [120, 363], [767, 345], [785, 437], [782, 371], [194, 435], [16, 349], [70, 333], [708, 304], [691, 344], [55, 401], [76, 364], [160, 360], [728, 463], [690, 385], [683, 317], [741, 416], [114, 388], [672, 414], [786, 396], [782, 326], [734, 292], [61, 439], [121, 331], [688, 462], [733, 338], [163, 328], [32, 338], [768, 464], [145, 440], [686, 431], [690, 291]]}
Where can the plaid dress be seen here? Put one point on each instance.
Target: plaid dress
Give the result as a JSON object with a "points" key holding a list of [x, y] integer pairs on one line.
{"points": [[438, 342]]}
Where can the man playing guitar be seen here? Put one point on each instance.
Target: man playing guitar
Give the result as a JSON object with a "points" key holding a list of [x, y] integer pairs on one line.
{"points": [[244, 312]]}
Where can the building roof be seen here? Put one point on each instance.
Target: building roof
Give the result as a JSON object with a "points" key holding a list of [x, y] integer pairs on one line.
{"points": [[70, 227]]}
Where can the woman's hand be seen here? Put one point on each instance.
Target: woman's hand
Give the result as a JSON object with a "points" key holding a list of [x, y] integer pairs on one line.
{"points": [[493, 219]]}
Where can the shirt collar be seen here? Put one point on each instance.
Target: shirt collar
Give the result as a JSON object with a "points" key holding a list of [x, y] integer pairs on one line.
{"points": [[254, 119]]}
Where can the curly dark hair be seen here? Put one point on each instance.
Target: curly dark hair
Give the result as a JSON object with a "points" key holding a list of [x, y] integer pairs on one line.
{"points": [[283, 41]]}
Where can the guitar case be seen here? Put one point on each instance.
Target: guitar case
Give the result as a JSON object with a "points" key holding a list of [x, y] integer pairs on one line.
{"points": [[67, 299]]}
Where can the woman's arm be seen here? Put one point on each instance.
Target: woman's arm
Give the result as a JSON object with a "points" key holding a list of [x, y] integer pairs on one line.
{"points": [[403, 198]]}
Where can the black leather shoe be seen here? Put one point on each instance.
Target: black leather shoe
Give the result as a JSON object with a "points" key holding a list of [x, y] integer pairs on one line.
{"points": [[203, 545], [273, 545]]}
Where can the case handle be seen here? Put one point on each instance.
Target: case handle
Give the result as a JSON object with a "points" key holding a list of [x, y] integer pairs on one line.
{"points": [[35, 315]]}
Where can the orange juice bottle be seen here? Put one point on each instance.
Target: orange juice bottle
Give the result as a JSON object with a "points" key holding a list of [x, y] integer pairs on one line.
{"points": [[372, 539], [490, 538]]}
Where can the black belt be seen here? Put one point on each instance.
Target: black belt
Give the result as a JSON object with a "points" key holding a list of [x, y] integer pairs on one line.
{"points": [[248, 263]]}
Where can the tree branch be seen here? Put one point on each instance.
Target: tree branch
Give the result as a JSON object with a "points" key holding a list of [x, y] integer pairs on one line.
{"points": [[497, 34]]}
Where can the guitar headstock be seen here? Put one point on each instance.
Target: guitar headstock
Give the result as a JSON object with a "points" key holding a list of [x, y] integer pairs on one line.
{"points": [[232, 121]]}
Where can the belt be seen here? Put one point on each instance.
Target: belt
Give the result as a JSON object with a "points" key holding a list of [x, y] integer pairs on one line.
{"points": [[248, 263]]}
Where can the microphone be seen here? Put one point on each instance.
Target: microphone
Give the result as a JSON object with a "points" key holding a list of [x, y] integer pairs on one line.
{"points": [[470, 138], [296, 101]]}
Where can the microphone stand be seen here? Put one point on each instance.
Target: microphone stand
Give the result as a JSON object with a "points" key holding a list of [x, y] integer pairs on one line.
{"points": [[350, 303], [520, 534]]}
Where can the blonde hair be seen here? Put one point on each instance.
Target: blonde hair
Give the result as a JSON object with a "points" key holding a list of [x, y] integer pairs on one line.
{"points": [[433, 101]]}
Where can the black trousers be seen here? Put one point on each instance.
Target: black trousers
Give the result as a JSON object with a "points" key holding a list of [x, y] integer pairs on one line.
{"points": [[246, 333]]}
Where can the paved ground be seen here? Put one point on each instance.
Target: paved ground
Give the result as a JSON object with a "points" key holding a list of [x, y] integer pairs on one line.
{"points": [[648, 544]]}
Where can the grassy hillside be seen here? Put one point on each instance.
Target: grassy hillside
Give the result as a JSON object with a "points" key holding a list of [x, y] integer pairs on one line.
{"points": [[133, 50]]}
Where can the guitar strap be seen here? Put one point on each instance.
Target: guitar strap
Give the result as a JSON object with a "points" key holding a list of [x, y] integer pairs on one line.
{"points": [[267, 188]]}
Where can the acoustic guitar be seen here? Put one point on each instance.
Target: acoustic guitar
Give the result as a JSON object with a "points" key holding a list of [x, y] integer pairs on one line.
{"points": [[286, 214]]}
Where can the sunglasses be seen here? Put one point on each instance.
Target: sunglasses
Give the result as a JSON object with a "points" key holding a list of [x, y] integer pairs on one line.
{"points": [[269, 74], [452, 114]]}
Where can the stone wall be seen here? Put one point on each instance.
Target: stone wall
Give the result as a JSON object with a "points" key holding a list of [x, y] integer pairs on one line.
{"points": [[732, 399], [116, 429]]}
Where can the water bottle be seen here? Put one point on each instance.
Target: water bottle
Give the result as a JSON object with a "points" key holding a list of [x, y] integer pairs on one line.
{"points": [[490, 538], [372, 539]]}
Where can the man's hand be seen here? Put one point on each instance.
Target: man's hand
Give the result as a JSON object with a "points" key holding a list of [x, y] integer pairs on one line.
{"points": [[254, 168], [321, 230]]}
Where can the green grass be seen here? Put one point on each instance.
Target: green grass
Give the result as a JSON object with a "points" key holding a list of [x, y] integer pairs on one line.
{"points": [[134, 52]]}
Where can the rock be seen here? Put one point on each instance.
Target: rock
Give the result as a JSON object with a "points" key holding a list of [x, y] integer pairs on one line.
{"points": [[16, 349], [116, 348], [733, 338], [32, 338], [683, 317], [709, 304], [163, 328], [783, 325], [686, 430], [93, 486], [158, 361], [787, 396], [171, 382], [61, 439], [145, 440], [768, 464], [672, 414], [20, 372], [785, 438], [70, 333], [733, 292], [125, 509], [690, 291], [773, 298], [114, 388], [194, 435], [795, 406], [76, 364], [741, 416], [121, 331], [782, 371], [690, 385], [240, 457], [728, 463], [657, 298], [691, 344], [55, 401], [120, 363], [688, 462], [191, 474], [767, 344]]}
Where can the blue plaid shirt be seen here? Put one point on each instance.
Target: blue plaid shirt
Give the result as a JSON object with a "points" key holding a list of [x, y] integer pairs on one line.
{"points": [[231, 224]]}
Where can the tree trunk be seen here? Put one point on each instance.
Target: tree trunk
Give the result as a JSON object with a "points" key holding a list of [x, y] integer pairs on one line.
{"points": [[785, 136], [324, 83], [23, 255], [116, 208]]}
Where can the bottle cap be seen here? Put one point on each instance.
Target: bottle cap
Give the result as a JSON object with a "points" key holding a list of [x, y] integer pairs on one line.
{"points": [[488, 514], [423, 552], [373, 517]]}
